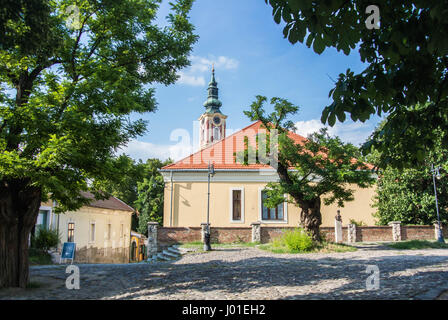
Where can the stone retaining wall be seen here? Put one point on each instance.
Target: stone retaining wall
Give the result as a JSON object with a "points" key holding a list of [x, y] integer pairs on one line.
{"points": [[419, 233], [375, 233], [173, 235], [101, 255]]}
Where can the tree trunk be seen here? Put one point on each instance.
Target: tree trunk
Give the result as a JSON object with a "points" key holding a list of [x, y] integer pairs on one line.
{"points": [[19, 208], [311, 218]]}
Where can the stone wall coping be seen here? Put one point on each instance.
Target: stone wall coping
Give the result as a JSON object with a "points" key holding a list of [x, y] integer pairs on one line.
{"points": [[153, 223], [292, 227], [415, 226], [256, 223], [198, 228], [180, 228], [394, 222]]}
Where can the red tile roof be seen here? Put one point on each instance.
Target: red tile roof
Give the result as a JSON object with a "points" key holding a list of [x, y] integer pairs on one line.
{"points": [[111, 203], [221, 153]]}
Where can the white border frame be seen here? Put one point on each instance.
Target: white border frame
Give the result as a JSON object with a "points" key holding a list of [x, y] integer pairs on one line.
{"points": [[50, 216], [90, 241], [66, 228], [231, 204], [260, 209]]}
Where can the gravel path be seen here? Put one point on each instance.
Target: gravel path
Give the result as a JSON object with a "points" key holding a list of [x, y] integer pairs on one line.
{"points": [[251, 273]]}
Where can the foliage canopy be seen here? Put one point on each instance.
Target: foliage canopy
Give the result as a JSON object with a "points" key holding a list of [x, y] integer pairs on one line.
{"points": [[407, 59], [323, 166], [67, 90]]}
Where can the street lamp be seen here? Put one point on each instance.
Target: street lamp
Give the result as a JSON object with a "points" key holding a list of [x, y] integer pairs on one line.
{"points": [[211, 173], [435, 172]]}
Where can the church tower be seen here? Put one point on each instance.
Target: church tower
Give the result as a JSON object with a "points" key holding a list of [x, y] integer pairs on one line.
{"points": [[212, 123]]}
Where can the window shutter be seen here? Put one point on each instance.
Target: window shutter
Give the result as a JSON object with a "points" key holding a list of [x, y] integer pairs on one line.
{"points": [[236, 194]]}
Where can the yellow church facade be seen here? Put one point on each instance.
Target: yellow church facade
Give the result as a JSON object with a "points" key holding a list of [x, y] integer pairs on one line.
{"points": [[237, 190], [188, 205]]}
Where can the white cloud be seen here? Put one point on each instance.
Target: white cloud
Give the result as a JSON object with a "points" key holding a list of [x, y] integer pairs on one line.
{"points": [[353, 132], [145, 150], [202, 64], [190, 80], [194, 75]]}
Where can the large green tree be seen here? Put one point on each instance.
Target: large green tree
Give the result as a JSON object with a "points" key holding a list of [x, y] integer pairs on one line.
{"points": [[71, 72], [406, 66], [151, 195], [407, 194], [123, 184], [323, 167], [140, 185]]}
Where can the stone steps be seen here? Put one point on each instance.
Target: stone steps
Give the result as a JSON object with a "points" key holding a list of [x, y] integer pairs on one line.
{"points": [[169, 254], [174, 250]]}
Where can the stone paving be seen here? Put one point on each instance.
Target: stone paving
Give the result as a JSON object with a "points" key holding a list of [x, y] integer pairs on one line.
{"points": [[251, 273]]}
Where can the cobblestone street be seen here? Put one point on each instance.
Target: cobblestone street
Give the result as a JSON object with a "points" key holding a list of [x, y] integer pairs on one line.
{"points": [[250, 273]]}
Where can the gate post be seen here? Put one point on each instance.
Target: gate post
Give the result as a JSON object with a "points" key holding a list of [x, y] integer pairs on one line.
{"points": [[152, 239], [351, 233], [396, 230], [256, 231]]}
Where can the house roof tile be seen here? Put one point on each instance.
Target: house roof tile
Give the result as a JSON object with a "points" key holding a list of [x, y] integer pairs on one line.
{"points": [[221, 153]]}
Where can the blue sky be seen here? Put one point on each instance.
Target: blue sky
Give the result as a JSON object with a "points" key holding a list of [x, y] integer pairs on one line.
{"points": [[251, 57]]}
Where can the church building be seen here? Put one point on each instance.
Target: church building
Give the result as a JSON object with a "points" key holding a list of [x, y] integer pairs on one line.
{"points": [[236, 190]]}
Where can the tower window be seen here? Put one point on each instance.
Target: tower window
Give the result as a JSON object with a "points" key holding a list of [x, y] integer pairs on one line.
{"points": [[216, 134]]}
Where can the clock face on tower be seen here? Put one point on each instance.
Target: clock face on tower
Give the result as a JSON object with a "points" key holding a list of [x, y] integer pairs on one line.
{"points": [[217, 120]]}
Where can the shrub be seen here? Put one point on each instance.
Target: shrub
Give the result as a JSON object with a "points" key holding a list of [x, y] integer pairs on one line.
{"points": [[39, 257], [45, 239], [357, 223], [297, 240]]}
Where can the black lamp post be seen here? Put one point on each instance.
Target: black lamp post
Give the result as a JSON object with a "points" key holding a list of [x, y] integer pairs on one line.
{"points": [[207, 247], [435, 172]]}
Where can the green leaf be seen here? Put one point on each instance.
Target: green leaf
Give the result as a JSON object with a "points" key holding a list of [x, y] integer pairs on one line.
{"points": [[324, 116], [341, 115], [309, 40], [332, 119], [277, 15], [293, 36], [318, 45]]}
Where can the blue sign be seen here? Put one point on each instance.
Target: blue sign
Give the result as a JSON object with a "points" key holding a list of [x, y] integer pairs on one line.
{"points": [[68, 250]]}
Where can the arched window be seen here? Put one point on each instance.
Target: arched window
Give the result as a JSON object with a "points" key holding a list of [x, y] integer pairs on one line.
{"points": [[216, 134]]}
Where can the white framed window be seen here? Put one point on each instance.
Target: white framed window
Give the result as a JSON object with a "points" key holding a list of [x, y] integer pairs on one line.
{"points": [[108, 231], [44, 219], [278, 214], [70, 231], [236, 205], [92, 229], [216, 134]]}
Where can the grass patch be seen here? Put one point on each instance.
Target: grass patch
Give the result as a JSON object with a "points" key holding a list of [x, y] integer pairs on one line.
{"points": [[39, 257], [324, 247], [299, 241], [418, 244]]}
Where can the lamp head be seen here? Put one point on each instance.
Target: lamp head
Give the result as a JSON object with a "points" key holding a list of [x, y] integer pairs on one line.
{"points": [[436, 171]]}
